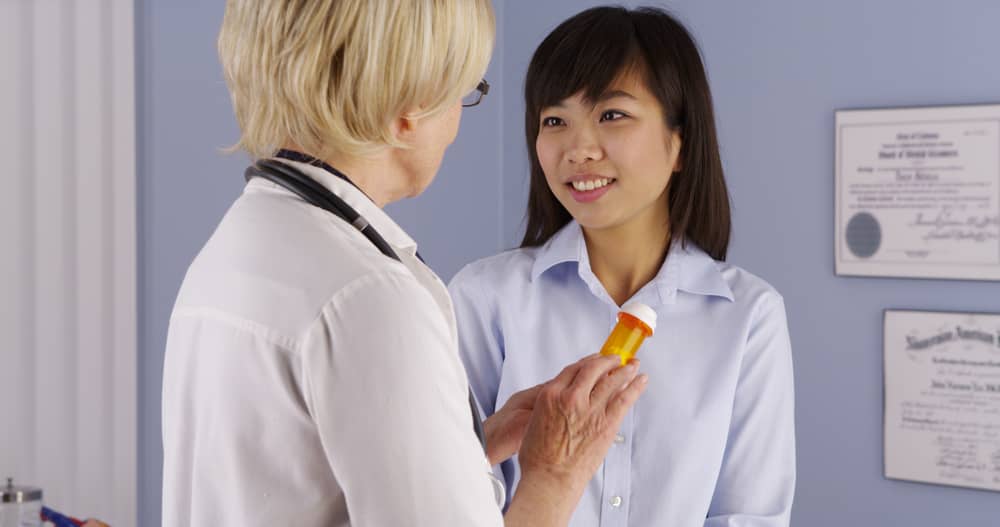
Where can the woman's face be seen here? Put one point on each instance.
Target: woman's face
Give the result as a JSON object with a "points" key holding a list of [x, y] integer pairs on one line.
{"points": [[609, 161]]}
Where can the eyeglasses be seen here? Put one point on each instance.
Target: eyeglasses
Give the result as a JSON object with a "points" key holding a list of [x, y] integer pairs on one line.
{"points": [[476, 95]]}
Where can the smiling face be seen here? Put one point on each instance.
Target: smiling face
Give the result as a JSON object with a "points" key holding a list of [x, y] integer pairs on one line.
{"points": [[608, 161]]}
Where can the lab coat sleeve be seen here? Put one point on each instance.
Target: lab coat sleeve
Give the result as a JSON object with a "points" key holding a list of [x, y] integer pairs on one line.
{"points": [[390, 400], [757, 478]]}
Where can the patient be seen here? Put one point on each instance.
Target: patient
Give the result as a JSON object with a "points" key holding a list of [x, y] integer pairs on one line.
{"points": [[628, 202]]}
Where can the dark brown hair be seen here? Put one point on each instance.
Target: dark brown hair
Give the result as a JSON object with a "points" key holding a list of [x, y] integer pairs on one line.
{"points": [[586, 54]]}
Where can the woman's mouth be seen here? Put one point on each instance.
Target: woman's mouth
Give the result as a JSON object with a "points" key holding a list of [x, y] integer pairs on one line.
{"points": [[589, 190]]}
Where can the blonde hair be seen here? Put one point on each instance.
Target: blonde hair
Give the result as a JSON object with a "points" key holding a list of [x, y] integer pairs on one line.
{"points": [[330, 76]]}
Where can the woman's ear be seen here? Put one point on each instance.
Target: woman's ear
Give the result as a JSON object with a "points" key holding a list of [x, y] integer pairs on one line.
{"points": [[404, 127], [674, 146]]}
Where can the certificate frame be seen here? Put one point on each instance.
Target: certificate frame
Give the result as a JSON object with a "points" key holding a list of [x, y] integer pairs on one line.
{"points": [[941, 398], [917, 192]]}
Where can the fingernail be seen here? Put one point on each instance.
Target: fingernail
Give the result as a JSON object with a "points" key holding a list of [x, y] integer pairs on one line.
{"points": [[644, 378]]}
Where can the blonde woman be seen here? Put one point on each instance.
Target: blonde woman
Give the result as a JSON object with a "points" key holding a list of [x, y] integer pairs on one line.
{"points": [[312, 374]]}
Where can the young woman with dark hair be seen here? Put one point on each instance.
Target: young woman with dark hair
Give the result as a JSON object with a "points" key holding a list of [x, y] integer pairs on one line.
{"points": [[628, 202]]}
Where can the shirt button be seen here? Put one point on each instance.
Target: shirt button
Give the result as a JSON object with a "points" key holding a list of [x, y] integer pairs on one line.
{"points": [[616, 501], [619, 438]]}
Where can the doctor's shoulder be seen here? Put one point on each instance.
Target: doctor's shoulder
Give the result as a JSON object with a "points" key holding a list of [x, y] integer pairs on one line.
{"points": [[277, 262]]}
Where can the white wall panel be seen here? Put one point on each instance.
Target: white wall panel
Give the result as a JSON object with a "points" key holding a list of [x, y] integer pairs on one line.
{"points": [[68, 278]]}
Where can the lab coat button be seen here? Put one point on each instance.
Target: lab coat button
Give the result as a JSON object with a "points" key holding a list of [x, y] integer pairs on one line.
{"points": [[616, 501], [619, 438]]}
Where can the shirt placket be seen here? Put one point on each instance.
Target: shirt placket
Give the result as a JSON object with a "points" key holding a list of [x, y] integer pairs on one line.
{"points": [[617, 484]]}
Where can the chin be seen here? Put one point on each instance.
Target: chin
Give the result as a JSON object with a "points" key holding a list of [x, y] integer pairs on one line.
{"points": [[594, 221], [420, 187], [590, 217]]}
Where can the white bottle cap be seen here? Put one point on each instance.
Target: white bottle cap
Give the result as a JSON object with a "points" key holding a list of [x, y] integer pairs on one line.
{"points": [[642, 312]]}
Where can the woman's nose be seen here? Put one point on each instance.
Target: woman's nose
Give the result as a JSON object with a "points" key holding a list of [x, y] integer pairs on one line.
{"points": [[584, 147]]}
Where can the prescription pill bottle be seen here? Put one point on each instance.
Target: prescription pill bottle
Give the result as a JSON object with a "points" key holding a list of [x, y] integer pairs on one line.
{"points": [[635, 322]]}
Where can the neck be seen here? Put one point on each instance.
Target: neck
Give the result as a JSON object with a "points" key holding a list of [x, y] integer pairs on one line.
{"points": [[373, 175], [626, 257]]}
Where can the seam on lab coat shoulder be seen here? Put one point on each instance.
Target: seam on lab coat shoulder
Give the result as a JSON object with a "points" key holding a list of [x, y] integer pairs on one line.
{"points": [[284, 342], [384, 275]]}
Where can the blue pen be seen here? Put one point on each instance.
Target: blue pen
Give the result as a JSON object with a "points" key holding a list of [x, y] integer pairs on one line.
{"points": [[59, 520]]}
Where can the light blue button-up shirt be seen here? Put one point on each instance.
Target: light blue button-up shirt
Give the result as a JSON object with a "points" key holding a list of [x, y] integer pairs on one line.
{"points": [[711, 441]]}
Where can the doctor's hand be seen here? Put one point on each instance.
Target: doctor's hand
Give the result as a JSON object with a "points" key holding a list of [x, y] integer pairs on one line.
{"points": [[572, 425], [506, 427]]}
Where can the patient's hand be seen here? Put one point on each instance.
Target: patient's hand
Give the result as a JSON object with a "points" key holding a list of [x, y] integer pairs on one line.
{"points": [[505, 429]]}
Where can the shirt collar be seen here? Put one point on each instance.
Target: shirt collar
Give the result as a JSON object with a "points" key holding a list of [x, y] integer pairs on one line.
{"points": [[564, 246], [386, 227], [687, 267], [699, 272]]}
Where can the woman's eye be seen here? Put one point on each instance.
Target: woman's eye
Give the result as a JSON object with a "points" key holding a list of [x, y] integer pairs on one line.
{"points": [[611, 115], [551, 121]]}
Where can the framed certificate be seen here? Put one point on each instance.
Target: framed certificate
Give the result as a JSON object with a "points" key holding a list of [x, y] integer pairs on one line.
{"points": [[942, 398], [918, 192]]}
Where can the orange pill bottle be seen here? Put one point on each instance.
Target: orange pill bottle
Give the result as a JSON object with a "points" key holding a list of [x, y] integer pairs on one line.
{"points": [[636, 321]]}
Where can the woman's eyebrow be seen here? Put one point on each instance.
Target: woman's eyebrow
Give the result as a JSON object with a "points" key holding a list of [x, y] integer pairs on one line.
{"points": [[608, 95]]}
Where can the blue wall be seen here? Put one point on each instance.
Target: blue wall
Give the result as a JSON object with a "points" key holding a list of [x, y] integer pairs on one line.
{"points": [[778, 70]]}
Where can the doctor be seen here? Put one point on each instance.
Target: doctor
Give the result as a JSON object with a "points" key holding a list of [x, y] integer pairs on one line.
{"points": [[312, 375]]}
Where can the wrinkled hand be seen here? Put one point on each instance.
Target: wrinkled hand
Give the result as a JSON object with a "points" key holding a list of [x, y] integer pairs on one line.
{"points": [[575, 418], [505, 429]]}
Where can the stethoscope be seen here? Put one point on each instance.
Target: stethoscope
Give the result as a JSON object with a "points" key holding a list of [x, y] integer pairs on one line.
{"points": [[315, 194]]}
